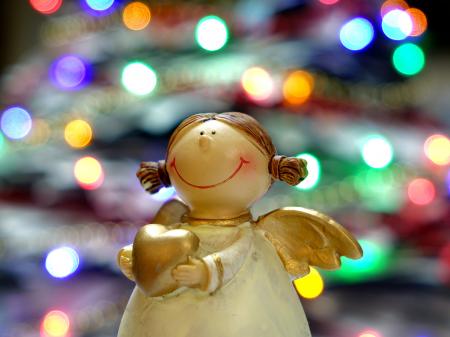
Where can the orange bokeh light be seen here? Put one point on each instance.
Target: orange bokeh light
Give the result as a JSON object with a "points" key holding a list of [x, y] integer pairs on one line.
{"points": [[390, 5], [437, 149], [46, 6], [89, 173], [297, 87], [257, 83], [136, 16], [55, 324], [421, 191], [419, 21]]}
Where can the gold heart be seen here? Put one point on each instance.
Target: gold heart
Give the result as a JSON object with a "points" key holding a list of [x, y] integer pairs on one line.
{"points": [[156, 251]]}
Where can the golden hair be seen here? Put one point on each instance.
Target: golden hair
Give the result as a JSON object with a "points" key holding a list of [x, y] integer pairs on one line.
{"points": [[291, 170]]}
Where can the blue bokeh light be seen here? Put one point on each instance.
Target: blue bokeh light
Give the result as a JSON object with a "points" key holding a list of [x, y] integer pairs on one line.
{"points": [[70, 72], [62, 262], [356, 34], [99, 7], [15, 122]]}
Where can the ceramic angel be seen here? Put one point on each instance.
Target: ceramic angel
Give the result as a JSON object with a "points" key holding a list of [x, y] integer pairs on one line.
{"points": [[205, 267]]}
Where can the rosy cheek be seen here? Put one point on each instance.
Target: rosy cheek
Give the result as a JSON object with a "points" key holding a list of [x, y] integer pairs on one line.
{"points": [[249, 167]]}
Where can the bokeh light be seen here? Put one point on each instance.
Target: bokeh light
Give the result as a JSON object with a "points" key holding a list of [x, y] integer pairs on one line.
{"points": [[419, 21], [257, 83], [397, 24], [46, 7], [78, 133], [408, 59], [70, 72], [139, 78], [15, 122], [297, 87], [369, 333], [421, 191], [98, 7], [62, 262], [136, 15], [211, 33], [311, 285], [89, 173], [390, 5], [437, 149], [55, 324], [377, 151], [375, 261], [356, 34], [328, 2], [314, 172]]}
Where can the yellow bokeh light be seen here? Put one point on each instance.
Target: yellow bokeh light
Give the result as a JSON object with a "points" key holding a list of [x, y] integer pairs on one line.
{"points": [[136, 16], [297, 87], [311, 285], [55, 324], [88, 172], [437, 149], [257, 83], [78, 133]]}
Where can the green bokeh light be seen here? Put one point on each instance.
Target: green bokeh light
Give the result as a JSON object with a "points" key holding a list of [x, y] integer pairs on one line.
{"points": [[211, 33], [373, 263], [408, 59], [314, 172]]}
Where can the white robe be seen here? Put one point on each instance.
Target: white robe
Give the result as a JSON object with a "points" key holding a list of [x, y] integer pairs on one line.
{"points": [[256, 299]]}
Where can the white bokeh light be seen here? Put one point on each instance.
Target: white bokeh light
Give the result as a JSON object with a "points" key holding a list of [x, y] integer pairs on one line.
{"points": [[139, 78], [61, 262]]}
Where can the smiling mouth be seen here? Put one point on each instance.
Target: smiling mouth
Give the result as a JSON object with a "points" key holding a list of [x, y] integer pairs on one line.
{"points": [[238, 168]]}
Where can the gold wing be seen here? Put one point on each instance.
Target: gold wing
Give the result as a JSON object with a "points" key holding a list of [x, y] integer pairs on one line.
{"points": [[304, 237]]}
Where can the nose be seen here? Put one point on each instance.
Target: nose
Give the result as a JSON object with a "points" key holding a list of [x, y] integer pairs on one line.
{"points": [[204, 142]]}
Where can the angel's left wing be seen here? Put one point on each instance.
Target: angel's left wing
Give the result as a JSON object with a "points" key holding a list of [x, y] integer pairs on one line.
{"points": [[304, 237]]}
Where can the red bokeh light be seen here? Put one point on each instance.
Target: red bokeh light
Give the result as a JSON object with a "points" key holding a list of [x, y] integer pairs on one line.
{"points": [[421, 191], [46, 6]]}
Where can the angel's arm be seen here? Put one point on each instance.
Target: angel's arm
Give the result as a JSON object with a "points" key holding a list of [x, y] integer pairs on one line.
{"points": [[222, 266]]}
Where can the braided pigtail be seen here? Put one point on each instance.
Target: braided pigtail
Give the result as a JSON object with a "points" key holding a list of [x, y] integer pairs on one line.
{"points": [[291, 170], [153, 176]]}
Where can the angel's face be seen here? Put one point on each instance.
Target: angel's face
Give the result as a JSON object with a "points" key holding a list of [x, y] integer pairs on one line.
{"points": [[217, 170]]}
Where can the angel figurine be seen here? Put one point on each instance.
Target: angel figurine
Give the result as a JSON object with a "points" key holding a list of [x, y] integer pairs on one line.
{"points": [[205, 267]]}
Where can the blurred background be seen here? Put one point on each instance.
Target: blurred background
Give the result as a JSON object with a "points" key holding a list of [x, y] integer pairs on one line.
{"points": [[90, 88]]}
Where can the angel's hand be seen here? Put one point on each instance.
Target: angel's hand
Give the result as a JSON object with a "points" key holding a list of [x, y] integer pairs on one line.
{"points": [[125, 261], [193, 274]]}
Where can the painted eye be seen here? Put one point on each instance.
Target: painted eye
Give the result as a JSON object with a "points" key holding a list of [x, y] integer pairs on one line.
{"points": [[213, 132], [202, 133]]}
